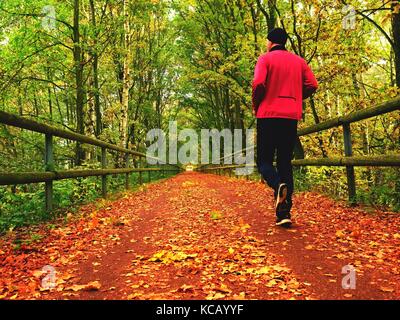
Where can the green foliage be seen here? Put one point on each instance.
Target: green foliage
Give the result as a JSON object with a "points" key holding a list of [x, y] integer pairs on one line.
{"points": [[20, 208], [380, 195], [379, 187], [190, 61], [332, 181]]}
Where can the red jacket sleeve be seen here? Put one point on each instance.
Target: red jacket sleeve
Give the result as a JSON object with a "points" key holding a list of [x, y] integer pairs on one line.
{"points": [[310, 84], [260, 75]]}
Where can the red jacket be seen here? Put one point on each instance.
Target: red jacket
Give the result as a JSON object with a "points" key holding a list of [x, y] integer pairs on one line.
{"points": [[281, 81]]}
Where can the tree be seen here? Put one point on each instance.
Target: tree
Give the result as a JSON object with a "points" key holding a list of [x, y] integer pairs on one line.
{"points": [[79, 81]]}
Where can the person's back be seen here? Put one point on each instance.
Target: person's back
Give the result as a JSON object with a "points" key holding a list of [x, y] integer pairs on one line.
{"points": [[284, 76], [281, 81]]}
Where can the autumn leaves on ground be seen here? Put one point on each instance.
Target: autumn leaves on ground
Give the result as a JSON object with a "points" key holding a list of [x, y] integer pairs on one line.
{"points": [[203, 236]]}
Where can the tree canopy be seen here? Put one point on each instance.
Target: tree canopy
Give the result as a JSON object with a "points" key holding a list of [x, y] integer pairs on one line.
{"points": [[114, 69]]}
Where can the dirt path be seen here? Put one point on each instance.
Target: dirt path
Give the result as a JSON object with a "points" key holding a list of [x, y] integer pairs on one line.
{"points": [[199, 236]]}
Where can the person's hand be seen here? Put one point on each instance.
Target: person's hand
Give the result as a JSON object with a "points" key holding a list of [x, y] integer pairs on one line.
{"points": [[254, 113]]}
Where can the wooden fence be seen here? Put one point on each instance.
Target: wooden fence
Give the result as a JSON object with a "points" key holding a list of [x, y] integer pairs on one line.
{"points": [[51, 174], [349, 161]]}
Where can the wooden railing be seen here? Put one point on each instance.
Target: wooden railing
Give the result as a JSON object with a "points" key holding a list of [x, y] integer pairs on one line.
{"points": [[349, 161], [51, 174]]}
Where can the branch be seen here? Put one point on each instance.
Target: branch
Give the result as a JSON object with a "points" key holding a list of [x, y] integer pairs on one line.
{"points": [[22, 64], [36, 15], [299, 41], [265, 13], [283, 26], [41, 80], [316, 42]]}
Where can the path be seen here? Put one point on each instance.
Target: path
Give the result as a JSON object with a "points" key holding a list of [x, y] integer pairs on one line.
{"points": [[203, 236]]}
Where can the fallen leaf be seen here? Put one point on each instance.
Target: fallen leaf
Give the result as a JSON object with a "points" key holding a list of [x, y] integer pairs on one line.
{"points": [[386, 289], [215, 296], [340, 234], [91, 286], [134, 296], [185, 288]]}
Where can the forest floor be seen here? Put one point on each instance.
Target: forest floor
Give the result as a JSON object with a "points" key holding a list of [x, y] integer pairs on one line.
{"points": [[203, 236]]}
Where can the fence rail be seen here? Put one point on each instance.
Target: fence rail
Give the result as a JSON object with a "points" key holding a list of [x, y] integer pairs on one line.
{"points": [[349, 161], [31, 125], [51, 174], [37, 177]]}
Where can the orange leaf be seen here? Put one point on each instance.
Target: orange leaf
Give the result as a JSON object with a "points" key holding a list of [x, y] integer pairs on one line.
{"points": [[91, 286], [386, 289]]}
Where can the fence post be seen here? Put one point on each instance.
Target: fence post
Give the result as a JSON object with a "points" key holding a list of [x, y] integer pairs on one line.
{"points": [[127, 174], [348, 151], [49, 166], [140, 172], [104, 177]]}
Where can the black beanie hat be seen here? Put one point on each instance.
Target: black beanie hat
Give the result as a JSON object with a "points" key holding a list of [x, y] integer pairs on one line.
{"points": [[278, 35]]}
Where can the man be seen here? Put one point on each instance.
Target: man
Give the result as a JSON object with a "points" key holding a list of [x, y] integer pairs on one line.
{"points": [[281, 81]]}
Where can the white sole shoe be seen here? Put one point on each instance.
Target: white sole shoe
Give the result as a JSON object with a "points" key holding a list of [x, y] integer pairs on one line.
{"points": [[284, 223], [282, 194]]}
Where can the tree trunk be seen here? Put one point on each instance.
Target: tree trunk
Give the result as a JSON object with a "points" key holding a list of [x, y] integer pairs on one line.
{"points": [[396, 41], [49, 95], [126, 79], [317, 120], [90, 128], [95, 66], [79, 82], [270, 14]]}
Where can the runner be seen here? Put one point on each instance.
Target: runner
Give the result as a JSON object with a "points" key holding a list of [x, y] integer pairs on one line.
{"points": [[281, 81]]}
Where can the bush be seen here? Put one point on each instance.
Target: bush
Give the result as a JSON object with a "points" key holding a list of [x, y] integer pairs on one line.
{"points": [[374, 186]]}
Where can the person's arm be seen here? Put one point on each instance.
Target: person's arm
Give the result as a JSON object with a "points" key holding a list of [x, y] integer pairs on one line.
{"points": [[260, 75], [310, 84]]}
